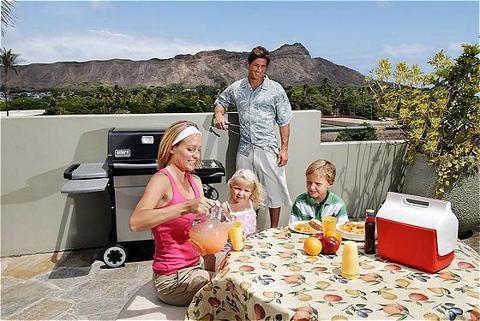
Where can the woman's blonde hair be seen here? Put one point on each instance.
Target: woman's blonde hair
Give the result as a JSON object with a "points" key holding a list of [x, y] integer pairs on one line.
{"points": [[324, 169], [258, 191], [166, 142]]}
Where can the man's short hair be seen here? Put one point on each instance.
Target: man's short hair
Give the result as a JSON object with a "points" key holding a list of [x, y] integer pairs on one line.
{"points": [[259, 52]]}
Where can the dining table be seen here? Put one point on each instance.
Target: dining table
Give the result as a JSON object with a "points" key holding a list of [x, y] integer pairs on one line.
{"points": [[273, 278]]}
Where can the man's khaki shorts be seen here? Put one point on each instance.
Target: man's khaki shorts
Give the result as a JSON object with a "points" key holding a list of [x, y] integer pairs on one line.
{"points": [[272, 177]]}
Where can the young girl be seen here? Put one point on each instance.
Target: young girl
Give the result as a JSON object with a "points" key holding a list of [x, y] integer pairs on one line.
{"points": [[246, 194]]}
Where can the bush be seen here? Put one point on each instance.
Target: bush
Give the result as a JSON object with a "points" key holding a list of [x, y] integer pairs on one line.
{"points": [[368, 133]]}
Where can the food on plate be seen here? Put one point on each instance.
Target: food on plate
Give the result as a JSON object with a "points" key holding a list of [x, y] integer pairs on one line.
{"points": [[315, 225], [305, 228], [330, 245], [312, 246], [354, 228]]}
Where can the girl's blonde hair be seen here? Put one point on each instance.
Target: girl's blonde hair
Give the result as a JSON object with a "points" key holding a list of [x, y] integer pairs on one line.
{"points": [[324, 169], [164, 155], [258, 191]]}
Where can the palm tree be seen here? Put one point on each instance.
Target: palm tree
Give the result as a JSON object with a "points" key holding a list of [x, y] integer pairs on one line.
{"points": [[8, 61], [8, 17]]}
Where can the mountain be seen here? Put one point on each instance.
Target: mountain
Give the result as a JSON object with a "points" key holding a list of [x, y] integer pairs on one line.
{"points": [[291, 65]]}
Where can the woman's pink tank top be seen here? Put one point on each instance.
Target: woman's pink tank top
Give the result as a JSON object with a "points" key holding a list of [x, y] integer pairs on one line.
{"points": [[173, 251]]}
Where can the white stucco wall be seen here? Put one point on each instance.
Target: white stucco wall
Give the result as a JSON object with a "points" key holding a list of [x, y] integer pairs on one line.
{"points": [[36, 217]]}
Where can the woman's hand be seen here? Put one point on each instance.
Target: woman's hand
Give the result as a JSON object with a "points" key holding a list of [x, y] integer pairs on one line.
{"points": [[199, 205]]}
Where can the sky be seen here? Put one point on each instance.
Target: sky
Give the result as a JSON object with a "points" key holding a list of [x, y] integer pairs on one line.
{"points": [[355, 34]]}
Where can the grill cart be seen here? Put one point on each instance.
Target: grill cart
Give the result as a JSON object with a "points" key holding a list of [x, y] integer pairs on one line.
{"points": [[130, 162]]}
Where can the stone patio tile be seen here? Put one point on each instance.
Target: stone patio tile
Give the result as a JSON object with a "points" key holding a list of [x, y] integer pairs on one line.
{"points": [[89, 308], [42, 310], [17, 297], [77, 259], [29, 266], [63, 284], [99, 289], [9, 281], [129, 271], [4, 263], [100, 316], [68, 316], [63, 273]]}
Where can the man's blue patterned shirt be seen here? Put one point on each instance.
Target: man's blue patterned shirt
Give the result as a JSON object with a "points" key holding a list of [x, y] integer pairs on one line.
{"points": [[258, 111]]}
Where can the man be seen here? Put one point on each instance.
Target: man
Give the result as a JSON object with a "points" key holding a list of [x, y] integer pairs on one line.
{"points": [[261, 102]]}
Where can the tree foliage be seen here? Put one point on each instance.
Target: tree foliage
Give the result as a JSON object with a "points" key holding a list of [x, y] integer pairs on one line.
{"points": [[8, 18], [439, 112], [369, 133], [9, 62]]}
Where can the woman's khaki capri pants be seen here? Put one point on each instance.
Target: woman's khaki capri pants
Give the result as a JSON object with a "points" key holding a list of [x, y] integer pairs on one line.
{"points": [[272, 177], [180, 287]]}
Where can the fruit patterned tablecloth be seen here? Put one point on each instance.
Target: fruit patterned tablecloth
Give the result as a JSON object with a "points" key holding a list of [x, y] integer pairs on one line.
{"points": [[273, 279]]}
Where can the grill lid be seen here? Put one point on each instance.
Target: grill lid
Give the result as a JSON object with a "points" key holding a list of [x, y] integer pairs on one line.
{"points": [[133, 146]]}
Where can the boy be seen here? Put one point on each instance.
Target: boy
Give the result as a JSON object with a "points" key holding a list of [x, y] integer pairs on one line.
{"points": [[319, 201]]}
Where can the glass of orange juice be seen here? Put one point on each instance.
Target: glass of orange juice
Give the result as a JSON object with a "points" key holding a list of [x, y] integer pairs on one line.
{"points": [[236, 236], [329, 223]]}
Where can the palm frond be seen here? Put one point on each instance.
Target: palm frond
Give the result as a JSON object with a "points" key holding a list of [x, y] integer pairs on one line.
{"points": [[8, 17]]}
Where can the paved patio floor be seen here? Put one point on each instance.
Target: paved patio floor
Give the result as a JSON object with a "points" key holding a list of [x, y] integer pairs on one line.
{"points": [[75, 285]]}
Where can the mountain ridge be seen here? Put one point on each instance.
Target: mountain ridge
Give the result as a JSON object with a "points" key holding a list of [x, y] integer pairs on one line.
{"points": [[291, 65]]}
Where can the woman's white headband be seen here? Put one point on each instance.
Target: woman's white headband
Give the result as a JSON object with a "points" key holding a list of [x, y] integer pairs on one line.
{"points": [[190, 130]]}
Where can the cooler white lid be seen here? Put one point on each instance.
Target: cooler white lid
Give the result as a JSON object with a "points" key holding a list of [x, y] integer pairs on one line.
{"points": [[423, 212]]}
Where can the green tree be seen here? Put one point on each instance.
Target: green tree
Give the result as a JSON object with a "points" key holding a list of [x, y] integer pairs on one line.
{"points": [[9, 61], [439, 112], [369, 133]]}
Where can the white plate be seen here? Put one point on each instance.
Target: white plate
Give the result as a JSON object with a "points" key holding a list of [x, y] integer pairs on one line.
{"points": [[352, 236], [291, 226]]}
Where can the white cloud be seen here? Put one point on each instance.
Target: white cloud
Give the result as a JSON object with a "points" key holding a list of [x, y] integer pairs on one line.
{"points": [[383, 3], [100, 5], [455, 46], [403, 49], [104, 44]]}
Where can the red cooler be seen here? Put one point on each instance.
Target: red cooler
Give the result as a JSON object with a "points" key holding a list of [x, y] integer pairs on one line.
{"points": [[417, 231]]}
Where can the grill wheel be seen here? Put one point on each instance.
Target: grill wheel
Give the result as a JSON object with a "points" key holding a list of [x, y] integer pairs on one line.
{"points": [[114, 256]]}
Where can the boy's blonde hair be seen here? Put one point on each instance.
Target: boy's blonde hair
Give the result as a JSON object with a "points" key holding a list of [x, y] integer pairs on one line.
{"points": [[258, 192], [324, 169], [166, 144]]}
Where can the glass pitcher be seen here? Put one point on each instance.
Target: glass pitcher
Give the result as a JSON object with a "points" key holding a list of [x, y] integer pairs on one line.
{"points": [[209, 234]]}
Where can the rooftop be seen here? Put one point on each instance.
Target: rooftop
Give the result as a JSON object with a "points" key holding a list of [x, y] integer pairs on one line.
{"points": [[56, 284]]}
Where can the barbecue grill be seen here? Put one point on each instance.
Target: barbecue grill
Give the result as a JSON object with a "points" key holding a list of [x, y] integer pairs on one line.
{"points": [[130, 162]]}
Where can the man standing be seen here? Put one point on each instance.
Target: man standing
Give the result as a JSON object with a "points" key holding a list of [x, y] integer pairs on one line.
{"points": [[261, 102]]}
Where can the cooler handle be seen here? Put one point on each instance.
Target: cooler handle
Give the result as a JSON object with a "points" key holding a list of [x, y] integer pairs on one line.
{"points": [[418, 201]]}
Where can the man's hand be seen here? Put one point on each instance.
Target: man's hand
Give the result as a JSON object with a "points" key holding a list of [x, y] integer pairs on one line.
{"points": [[282, 158], [218, 119]]}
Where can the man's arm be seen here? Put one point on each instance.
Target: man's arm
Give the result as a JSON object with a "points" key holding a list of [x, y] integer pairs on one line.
{"points": [[282, 158], [218, 119]]}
